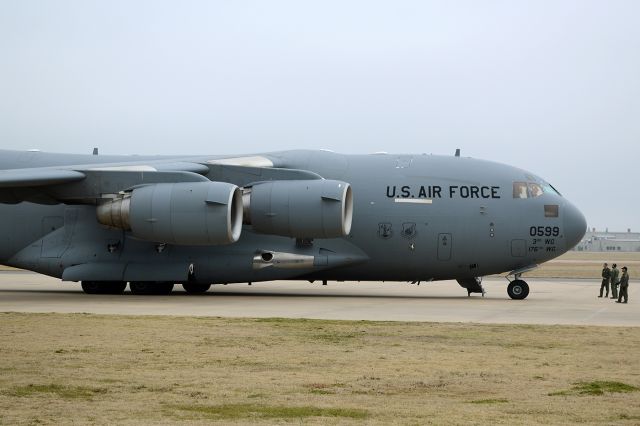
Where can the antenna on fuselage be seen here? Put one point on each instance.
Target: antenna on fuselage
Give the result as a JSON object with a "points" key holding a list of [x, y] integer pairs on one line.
{"points": [[457, 152]]}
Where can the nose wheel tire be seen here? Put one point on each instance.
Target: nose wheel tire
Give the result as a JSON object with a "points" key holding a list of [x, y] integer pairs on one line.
{"points": [[518, 289]]}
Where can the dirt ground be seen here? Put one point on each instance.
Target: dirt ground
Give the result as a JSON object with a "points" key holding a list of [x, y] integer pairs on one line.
{"points": [[91, 369]]}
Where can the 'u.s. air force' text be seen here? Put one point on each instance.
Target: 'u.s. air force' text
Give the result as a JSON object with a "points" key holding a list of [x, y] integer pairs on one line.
{"points": [[435, 191]]}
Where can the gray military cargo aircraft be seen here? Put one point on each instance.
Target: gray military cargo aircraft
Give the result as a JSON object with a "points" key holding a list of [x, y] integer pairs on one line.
{"points": [[153, 222]]}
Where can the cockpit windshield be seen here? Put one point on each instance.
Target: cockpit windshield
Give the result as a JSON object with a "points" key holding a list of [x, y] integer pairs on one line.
{"points": [[548, 188], [532, 189]]}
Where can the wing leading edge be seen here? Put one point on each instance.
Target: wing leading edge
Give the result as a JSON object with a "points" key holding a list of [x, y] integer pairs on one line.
{"points": [[22, 178]]}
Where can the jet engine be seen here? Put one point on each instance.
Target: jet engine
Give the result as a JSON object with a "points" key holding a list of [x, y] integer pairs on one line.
{"points": [[300, 208], [189, 213]]}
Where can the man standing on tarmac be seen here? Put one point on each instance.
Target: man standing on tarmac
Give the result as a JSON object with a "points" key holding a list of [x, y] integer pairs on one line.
{"points": [[624, 286], [606, 274], [614, 281]]}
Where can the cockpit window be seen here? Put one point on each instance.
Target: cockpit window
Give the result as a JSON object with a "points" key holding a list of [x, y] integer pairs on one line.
{"points": [[519, 190], [532, 189], [550, 210], [535, 190]]}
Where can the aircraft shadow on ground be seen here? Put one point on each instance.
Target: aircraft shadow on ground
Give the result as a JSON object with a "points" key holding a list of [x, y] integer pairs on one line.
{"points": [[212, 294]]}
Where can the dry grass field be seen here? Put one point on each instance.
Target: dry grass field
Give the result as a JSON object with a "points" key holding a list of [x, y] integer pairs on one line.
{"points": [[91, 369]]}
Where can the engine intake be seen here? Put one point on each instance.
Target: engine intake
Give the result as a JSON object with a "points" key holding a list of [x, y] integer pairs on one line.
{"points": [[190, 213], [300, 208]]}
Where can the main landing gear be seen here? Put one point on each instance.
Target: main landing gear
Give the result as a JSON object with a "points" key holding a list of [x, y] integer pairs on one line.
{"points": [[151, 288], [103, 287], [146, 288], [194, 288], [473, 285]]}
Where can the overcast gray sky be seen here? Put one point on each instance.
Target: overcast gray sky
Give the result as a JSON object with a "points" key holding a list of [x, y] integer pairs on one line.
{"points": [[549, 86]]}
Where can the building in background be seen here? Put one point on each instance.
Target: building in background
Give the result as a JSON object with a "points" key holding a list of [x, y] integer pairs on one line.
{"points": [[609, 241]]}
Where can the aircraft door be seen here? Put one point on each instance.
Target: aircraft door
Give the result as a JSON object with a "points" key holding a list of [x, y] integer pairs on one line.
{"points": [[444, 246]]}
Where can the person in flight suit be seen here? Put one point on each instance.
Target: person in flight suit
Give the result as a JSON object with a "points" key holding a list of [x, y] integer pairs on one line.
{"points": [[624, 286], [614, 281], [606, 274]]}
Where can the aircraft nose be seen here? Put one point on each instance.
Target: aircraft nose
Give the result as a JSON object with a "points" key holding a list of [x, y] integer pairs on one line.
{"points": [[575, 225]]}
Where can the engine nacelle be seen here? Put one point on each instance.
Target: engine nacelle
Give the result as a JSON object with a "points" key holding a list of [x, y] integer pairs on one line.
{"points": [[300, 208], [189, 213]]}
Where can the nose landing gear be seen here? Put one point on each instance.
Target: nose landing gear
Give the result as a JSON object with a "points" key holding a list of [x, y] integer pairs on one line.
{"points": [[518, 289]]}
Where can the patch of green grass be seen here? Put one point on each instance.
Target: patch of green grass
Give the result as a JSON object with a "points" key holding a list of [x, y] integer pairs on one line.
{"points": [[66, 392], [628, 417], [596, 388], [334, 337], [489, 401], [255, 411]]}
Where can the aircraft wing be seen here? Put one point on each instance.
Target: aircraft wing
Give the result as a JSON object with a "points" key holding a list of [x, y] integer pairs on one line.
{"points": [[21, 178], [158, 199], [88, 183]]}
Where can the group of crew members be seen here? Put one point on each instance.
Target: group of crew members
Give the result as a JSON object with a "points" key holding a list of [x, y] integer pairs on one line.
{"points": [[610, 278]]}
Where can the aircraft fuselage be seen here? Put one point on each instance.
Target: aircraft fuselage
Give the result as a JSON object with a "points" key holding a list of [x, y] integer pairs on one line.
{"points": [[415, 218]]}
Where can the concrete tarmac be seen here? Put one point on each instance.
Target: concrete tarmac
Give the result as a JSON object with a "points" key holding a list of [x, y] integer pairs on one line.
{"points": [[551, 301]]}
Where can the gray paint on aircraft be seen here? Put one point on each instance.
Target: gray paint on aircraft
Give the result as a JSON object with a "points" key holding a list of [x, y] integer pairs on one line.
{"points": [[415, 218]]}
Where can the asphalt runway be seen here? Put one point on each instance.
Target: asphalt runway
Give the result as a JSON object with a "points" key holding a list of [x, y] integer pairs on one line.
{"points": [[551, 301]]}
